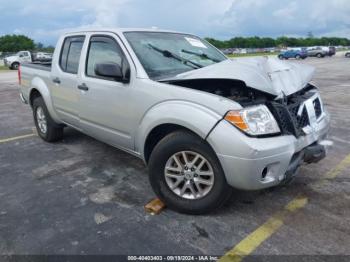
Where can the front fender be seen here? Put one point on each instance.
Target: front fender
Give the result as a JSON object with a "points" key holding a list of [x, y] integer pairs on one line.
{"points": [[192, 116], [40, 85]]}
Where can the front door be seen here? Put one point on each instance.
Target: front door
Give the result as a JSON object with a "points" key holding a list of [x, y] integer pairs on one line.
{"points": [[24, 56], [105, 107]]}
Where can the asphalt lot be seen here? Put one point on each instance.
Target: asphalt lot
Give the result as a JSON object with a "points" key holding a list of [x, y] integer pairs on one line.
{"points": [[81, 196]]}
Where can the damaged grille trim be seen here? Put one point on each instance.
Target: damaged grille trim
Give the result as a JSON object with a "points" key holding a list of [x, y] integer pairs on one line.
{"points": [[300, 114]]}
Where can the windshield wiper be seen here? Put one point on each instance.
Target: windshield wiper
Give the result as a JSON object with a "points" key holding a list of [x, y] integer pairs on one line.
{"points": [[169, 54], [203, 55]]}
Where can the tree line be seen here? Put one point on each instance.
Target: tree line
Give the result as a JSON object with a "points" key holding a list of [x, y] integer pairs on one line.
{"points": [[15, 43], [283, 41]]}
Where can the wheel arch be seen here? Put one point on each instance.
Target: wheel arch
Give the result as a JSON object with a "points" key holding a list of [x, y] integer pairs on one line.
{"points": [[34, 93], [157, 134], [13, 63], [38, 88], [160, 121]]}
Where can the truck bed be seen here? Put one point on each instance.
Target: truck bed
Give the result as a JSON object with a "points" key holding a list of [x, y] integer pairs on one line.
{"points": [[46, 66]]}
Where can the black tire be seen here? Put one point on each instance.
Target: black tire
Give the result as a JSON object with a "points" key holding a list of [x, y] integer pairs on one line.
{"points": [[319, 55], [297, 57], [15, 66], [54, 132], [281, 57], [185, 141]]}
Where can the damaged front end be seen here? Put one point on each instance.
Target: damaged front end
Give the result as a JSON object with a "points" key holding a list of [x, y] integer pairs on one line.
{"points": [[297, 109], [284, 88], [295, 114]]}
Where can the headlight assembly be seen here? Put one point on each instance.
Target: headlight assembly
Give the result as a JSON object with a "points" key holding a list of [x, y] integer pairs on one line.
{"points": [[254, 120]]}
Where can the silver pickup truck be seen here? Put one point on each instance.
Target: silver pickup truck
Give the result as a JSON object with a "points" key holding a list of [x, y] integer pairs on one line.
{"points": [[202, 123]]}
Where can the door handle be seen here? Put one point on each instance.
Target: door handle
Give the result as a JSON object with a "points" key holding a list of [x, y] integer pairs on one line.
{"points": [[83, 86], [56, 80]]}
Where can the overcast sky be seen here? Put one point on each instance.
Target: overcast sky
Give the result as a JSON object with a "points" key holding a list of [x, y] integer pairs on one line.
{"points": [[45, 20]]}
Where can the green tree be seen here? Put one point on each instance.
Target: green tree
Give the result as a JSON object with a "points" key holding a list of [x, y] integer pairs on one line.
{"points": [[283, 41], [15, 43]]}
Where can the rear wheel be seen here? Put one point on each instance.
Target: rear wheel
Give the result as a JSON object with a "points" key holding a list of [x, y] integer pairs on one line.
{"points": [[47, 129], [185, 174], [319, 55], [280, 57], [297, 57]]}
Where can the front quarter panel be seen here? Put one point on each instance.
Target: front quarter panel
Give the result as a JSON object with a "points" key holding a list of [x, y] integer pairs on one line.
{"points": [[192, 116]]}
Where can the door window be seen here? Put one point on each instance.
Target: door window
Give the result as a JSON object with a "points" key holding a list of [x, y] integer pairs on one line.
{"points": [[70, 54], [103, 49]]}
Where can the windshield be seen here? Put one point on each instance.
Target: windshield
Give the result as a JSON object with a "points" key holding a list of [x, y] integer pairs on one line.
{"points": [[165, 55]]}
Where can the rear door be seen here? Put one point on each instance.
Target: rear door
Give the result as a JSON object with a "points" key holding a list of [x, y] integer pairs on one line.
{"points": [[64, 80], [106, 106]]}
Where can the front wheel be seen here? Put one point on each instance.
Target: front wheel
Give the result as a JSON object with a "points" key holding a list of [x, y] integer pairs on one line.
{"points": [[297, 57], [319, 55], [47, 129], [15, 66], [186, 174]]}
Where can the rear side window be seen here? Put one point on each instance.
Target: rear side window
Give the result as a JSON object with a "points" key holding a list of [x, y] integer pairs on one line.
{"points": [[70, 54]]}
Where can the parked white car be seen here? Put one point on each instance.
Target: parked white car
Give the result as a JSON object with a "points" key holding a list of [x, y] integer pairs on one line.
{"points": [[14, 61], [43, 56]]}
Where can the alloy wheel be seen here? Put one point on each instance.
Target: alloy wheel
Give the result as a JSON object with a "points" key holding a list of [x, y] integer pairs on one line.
{"points": [[189, 175], [41, 120]]}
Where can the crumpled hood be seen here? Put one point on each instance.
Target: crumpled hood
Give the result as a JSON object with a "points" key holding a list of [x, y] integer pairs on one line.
{"points": [[266, 74]]}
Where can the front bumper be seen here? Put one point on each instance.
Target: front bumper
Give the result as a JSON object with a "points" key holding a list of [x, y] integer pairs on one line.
{"points": [[257, 163]]}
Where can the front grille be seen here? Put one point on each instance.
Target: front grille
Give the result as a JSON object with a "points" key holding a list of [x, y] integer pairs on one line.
{"points": [[318, 108], [287, 121], [286, 113], [303, 119]]}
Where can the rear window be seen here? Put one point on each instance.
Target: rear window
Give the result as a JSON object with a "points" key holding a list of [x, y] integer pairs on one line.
{"points": [[70, 54]]}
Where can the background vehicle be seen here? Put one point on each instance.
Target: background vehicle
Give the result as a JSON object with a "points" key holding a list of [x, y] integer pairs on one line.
{"points": [[41, 56], [316, 52], [330, 50], [202, 123], [293, 53], [14, 61], [347, 54]]}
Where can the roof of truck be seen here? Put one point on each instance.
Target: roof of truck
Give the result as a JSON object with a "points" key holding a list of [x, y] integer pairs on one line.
{"points": [[118, 30]]}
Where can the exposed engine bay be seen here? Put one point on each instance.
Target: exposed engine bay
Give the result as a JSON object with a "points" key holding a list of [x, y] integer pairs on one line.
{"points": [[235, 90], [286, 110]]}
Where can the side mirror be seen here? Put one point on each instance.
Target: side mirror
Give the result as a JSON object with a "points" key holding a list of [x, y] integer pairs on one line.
{"points": [[111, 70]]}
